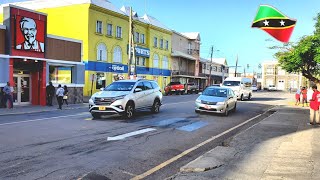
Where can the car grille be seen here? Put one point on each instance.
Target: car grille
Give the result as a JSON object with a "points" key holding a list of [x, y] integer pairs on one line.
{"points": [[209, 103], [103, 101]]}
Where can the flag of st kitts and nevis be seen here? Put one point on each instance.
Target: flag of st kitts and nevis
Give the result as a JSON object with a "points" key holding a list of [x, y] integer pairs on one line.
{"points": [[274, 23]]}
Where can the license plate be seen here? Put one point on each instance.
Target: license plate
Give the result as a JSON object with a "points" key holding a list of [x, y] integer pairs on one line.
{"points": [[207, 107], [102, 108]]}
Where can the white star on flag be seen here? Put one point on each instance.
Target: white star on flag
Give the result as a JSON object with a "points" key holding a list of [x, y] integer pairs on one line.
{"points": [[266, 23], [282, 23]]}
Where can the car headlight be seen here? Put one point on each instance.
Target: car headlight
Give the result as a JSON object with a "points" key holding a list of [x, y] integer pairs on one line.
{"points": [[118, 97], [220, 103], [198, 101]]}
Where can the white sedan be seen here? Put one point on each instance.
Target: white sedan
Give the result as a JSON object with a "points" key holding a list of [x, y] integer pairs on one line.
{"points": [[216, 100]]}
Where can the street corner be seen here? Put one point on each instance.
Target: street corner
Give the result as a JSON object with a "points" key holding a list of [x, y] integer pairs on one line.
{"points": [[213, 159]]}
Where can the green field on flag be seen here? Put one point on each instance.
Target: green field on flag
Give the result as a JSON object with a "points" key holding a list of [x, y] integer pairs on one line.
{"points": [[266, 11]]}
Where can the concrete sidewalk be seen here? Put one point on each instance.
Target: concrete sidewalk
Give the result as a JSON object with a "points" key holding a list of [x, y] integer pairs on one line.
{"points": [[283, 146], [34, 109]]}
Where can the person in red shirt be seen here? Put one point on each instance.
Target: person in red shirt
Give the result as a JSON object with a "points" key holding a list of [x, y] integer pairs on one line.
{"points": [[304, 96], [314, 106]]}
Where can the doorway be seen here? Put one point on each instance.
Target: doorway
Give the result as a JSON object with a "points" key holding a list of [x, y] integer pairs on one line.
{"points": [[22, 89]]}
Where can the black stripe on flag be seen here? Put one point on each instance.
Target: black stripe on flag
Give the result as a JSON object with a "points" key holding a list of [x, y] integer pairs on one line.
{"points": [[277, 23]]}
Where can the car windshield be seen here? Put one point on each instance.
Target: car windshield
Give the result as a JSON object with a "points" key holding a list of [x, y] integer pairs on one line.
{"points": [[120, 86], [231, 83], [215, 92]]}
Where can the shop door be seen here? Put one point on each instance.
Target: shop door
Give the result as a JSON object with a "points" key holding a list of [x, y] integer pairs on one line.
{"points": [[22, 89]]}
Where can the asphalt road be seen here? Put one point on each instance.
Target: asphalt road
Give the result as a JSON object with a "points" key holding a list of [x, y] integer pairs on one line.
{"points": [[68, 144]]}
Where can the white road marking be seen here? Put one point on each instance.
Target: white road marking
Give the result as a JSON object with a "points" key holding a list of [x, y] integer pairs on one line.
{"points": [[123, 136], [34, 120]]}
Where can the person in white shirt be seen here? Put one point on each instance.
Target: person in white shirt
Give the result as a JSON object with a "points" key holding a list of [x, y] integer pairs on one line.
{"points": [[60, 94], [309, 94]]}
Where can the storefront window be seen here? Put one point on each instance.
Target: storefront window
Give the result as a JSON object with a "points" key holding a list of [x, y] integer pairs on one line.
{"points": [[101, 81], [60, 74]]}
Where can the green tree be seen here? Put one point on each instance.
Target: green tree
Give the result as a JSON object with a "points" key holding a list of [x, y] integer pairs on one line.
{"points": [[304, 56]]}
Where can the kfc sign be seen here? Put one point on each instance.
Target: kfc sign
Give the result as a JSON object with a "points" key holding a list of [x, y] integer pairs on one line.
{"points": [[28, 32]]}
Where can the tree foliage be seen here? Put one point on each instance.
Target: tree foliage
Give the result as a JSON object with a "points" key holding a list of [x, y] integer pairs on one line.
{"points": [[304, 56]]}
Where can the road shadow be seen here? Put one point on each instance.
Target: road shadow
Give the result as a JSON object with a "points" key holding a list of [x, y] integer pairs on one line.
{"points": [[266, 99]]}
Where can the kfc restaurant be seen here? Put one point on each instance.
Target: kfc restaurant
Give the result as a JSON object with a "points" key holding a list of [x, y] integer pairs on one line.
{"points": [[30, 58]]}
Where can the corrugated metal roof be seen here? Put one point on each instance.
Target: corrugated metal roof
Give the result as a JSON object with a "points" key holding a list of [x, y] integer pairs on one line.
{"points": [[192, 35], [155, 22]]}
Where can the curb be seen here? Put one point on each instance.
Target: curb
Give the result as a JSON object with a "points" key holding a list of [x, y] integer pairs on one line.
{"points": [[40, 111]]}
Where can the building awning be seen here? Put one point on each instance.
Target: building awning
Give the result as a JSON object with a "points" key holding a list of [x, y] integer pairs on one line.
{"points": [[181, 54]]}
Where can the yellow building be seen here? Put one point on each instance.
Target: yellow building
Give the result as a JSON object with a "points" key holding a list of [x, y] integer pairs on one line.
{"points": [[104, 30]]}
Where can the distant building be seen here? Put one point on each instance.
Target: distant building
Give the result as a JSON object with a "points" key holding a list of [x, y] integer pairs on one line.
{"points": [[219, 70], [185, 57], [273, 74]]}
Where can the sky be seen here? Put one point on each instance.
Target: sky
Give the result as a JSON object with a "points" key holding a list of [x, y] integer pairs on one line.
{"points": [[226, 24]]}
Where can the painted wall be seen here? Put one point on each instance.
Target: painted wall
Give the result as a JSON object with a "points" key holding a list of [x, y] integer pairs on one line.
{"points": [[4, 70]]}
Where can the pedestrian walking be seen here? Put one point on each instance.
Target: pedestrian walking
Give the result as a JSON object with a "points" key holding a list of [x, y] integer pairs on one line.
{"points": [[314, 107], [50, 93], [304, 96], [59, 94], [8, 95], [297, 95], [65, 96]]}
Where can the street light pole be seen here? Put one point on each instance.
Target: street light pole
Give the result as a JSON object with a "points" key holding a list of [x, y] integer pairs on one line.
{"points": [[210, 69]]}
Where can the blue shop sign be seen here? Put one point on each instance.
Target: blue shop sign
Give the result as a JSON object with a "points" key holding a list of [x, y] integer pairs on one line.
{"points": [[141, 51], [118, 68]]}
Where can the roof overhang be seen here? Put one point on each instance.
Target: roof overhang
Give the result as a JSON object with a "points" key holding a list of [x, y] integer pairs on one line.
{"points": [[183, 55]]}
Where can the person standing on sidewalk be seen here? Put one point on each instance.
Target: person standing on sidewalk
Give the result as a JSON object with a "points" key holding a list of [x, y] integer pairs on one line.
{"points": [[304, 96], [8, 96], [298, 93], [66, 94], [50, 93], [314, 106], [60, 93]]}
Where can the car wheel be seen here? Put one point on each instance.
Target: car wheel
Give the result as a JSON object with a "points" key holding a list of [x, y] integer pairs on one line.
{"points": [[197, 111], [129, 111], [197, 91], [182, 92], [235, 107], [226, 113], [96, 115], [241, 97], [249, 98], [156, 106]]}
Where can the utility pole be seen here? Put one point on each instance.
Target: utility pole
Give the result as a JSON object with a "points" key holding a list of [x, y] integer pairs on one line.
{"points": [[235, 72], [130, 43], [209, 83]]}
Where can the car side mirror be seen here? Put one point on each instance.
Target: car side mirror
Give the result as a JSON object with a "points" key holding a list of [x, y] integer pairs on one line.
{"points": [[137, 90], [200, 93], [101, 89]]}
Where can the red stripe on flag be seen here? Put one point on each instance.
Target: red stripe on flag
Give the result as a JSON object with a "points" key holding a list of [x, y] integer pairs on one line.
{"points": [[282, 35]]}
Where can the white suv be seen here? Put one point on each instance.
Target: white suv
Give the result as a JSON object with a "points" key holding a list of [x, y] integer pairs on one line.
{"points": [[124, 97]]}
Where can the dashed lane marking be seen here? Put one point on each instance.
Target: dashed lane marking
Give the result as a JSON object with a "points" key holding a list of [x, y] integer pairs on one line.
{"points": [[134, 133]]}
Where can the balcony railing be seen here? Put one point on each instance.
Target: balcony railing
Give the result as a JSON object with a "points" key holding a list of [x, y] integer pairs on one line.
{"points": [[177, 72]]}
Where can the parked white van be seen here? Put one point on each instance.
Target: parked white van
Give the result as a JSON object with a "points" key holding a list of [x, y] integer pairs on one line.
{"points": [[241, 86]]}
